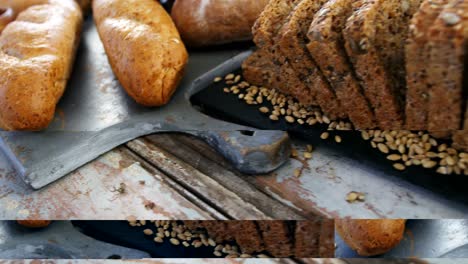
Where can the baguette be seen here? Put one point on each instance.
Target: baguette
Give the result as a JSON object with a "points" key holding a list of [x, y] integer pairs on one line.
{"points": [[143, 47], [209, 22], [371, 237], [36, 57]]}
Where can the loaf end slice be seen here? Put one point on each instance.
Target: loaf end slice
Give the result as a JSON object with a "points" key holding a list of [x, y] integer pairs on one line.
{"points": [[417, 59]]}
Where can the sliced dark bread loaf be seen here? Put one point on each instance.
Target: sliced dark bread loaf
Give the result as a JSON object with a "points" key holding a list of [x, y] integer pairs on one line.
{"points": [[277, 238], [292, 44], [260, 68], [448, 38], [417, 59], [375, 35], [327, 49]]}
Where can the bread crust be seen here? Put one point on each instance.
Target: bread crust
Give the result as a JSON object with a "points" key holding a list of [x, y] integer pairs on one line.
{"points": [[371, 237], [143, 47], [210, 22], [36, 56]]}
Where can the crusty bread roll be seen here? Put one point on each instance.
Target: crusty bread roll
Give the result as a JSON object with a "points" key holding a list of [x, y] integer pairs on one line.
{"points": [[143, 47], [36, 56], [371, 237], [210, 22], [34, 223]]}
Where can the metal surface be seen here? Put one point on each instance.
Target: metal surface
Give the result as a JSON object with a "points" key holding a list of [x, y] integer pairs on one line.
{"points": [[96, 115], [42, 158], [60, 241], [424, 239]]}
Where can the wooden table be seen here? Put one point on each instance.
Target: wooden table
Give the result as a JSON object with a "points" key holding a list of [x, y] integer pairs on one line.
{"points": [[174, 176]]}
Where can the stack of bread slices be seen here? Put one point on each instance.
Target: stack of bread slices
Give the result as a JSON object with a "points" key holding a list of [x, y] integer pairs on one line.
{"points": [[301, 239], [382, 64]]}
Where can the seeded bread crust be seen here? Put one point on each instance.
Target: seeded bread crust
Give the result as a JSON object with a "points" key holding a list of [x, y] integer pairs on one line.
{"points": [[448, 40], [277, 238], [292, 46], [271, 20], [327, 49], [375, 45], [417, 59]]}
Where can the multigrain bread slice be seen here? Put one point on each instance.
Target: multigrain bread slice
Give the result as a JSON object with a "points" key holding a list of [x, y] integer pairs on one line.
{"points": [[247, 236], [292, 44], [375, 36], [260, 68], [326, 45], [277, 237], [417, 60], [448, 39]]}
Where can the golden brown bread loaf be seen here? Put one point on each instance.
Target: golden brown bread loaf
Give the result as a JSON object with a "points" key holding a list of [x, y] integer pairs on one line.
{"points": [[34, 223], [143, 47], [211, 22], [36, 57], [371, 237]]}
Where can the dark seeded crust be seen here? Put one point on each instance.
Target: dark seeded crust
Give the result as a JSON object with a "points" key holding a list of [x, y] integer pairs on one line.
{"points": [[276, 238], [448, 40], [417, 59], [292, 46], [247, 236], [375, 45], [271, 20], [327, 48]]}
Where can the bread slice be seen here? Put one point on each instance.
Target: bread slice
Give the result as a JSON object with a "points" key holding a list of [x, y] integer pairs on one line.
{"points": [[326, 45], [448, 40], [277, 238], [247, 236], [375, 36], [260, 68], [417, 59], [292, 44]]}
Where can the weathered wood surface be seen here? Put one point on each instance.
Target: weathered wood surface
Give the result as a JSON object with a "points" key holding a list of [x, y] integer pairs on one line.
{"points": [[185, 179]]}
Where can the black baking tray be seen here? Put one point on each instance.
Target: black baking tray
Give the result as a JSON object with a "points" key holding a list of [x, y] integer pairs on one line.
{"points": [[212, 101], [122, 234]]}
